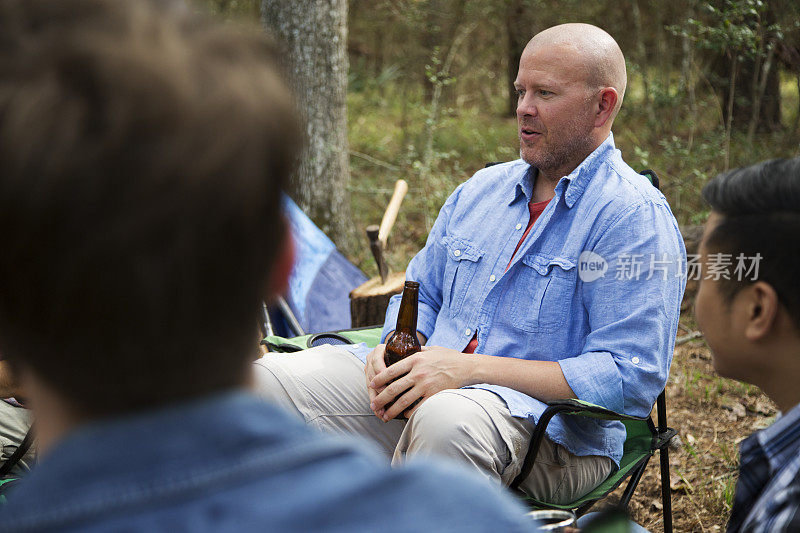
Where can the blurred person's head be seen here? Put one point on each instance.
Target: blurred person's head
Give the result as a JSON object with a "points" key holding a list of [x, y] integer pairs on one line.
{"points": [[570, 86], [748, 302], [142, 155]]}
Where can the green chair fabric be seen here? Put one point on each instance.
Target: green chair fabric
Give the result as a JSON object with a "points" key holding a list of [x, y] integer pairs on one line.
{"points": [[642, 441]]}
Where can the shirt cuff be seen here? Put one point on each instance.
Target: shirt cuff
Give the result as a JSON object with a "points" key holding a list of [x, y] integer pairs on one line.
{"points": [[594, 378]]}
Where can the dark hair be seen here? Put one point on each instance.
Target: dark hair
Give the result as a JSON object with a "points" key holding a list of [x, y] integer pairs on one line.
{"points": [[142, 156], [760, 208]]}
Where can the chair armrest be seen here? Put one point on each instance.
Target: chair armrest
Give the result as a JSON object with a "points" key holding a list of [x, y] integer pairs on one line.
{"points": [[579, 407], [566, 407]]}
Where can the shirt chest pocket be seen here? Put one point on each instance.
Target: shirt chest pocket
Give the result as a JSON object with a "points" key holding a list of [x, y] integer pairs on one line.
{"points": [[463, 259], [543, 292]]}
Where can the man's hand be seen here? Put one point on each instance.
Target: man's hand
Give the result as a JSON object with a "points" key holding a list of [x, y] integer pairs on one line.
{"points": [[420, 376], [375, 365]]}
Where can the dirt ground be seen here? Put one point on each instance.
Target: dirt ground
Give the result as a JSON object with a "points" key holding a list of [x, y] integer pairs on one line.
{"points": [[712, 416]]}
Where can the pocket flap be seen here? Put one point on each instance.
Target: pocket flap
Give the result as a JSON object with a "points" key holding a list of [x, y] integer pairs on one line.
{"points": [[460, 249], [543, 263]]}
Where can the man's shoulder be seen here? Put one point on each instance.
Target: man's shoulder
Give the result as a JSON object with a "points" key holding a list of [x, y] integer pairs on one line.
{"points": [[622, 185], [776, 507], [495, 177], [487, 188]]}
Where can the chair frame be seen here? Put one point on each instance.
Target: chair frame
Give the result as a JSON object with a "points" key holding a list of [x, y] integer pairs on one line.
{"points": [[661, 437]]}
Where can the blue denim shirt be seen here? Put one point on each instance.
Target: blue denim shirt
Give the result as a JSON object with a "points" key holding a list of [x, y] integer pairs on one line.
{"points": [[613, 336], [234, 463]]}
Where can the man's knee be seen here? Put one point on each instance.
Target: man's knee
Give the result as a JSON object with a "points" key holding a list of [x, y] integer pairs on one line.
{"points": [[268, 386], [448, 422]]}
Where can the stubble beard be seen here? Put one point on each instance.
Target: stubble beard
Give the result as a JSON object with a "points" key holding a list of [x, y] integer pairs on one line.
{"points": [[565, 156]]}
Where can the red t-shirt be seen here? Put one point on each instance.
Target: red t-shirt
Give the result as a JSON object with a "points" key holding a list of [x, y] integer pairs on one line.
{"points": [[535, 209]]}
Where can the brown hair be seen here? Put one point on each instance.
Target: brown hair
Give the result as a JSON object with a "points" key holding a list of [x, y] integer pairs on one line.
{"points": [[142, 156]]}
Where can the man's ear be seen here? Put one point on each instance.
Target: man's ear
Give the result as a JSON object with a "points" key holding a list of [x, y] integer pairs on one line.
{"points": [[762, 306], [282, 268], [604, 112]]}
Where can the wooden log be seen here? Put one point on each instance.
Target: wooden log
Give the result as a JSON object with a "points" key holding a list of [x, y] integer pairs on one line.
{"points": [[368, 302]]}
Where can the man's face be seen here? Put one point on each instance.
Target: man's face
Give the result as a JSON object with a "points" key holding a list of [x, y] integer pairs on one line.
{"points": [[716, 317], [554, 109]]}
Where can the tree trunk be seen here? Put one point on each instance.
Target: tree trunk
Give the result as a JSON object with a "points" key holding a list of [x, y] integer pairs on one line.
{"points": [[314, 34], [757, 84], [769, 113], [641, 57], [369, 301], [519, 32]]}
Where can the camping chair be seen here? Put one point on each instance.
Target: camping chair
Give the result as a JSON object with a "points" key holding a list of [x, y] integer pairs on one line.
{"points": [[643, 439]]}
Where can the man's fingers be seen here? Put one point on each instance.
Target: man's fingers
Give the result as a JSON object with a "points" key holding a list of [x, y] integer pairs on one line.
{"points": [[391, 373], [373, 393], [390, 392], [414, 407], [375, 364], [402, 403]]}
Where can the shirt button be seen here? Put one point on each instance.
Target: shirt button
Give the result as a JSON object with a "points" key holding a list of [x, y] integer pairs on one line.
{"points": [[467, 332], [457, 253], [519, 226], [492, 278], [635, 360]]}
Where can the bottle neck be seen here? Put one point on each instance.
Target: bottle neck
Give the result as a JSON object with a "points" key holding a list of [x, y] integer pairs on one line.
{"points": [[407, 317]]}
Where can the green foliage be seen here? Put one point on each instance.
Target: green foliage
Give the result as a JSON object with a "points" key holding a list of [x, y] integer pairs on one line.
{"points": [[673, 119]]}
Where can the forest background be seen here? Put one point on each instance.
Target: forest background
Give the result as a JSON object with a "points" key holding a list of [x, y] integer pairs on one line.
{"points": [[427, 97]]}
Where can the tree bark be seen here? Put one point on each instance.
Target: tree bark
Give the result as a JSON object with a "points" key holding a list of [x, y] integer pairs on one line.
{"points": [[519, 32], [641, 57], [314, 34]]}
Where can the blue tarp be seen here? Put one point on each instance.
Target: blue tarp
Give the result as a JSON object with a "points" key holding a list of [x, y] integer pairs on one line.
{"points": [[322, 278]]}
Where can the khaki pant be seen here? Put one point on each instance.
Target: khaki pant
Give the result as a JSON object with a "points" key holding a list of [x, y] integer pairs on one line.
{"points": [[326, 386]]}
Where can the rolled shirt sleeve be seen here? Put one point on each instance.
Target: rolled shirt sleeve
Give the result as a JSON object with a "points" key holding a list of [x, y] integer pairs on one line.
{"points": [[632, 312]]}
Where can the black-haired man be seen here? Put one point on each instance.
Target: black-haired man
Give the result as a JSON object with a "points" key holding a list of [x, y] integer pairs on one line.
{"points": [[748, 307]]}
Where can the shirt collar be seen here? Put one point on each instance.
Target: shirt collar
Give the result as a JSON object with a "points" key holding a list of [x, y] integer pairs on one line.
{"points": [[524, 184], [572, 185], [779, 442]]}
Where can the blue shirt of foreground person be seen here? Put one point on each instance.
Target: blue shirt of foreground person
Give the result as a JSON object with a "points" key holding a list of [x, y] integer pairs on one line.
{"points": [[234, 463], [144, 152]]}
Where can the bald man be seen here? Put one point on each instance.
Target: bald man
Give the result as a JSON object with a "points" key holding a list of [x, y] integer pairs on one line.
{"points": [[558, 275]]}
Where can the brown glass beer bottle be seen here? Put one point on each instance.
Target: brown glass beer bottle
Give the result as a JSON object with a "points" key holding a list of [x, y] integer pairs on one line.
{"points": [[404, 341]]}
